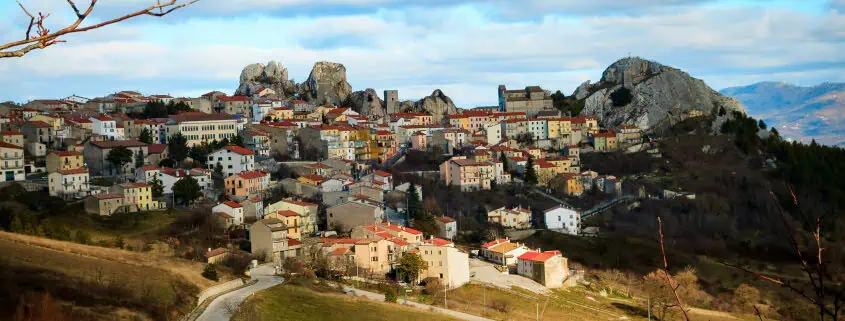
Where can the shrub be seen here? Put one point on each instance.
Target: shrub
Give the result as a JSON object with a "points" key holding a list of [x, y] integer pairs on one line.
{"points": [[621, 97], [390, 295], [500, 305], [82, 237], [119, 243], [210, 272], [745, 296]]}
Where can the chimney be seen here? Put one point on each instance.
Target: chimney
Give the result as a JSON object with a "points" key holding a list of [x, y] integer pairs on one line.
{"points": [[209, 249]]}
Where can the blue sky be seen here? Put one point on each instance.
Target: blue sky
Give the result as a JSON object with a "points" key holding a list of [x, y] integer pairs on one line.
{"points": [[463, 47]]}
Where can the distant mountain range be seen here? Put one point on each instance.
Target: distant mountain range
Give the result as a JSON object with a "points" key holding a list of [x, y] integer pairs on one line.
{"points": [[800, 113]]}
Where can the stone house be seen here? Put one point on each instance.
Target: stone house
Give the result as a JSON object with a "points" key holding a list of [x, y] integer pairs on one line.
{"points": [[96, 152], [548, 268], [517, 217], [105, 204], [348, 215], [444, 262]]}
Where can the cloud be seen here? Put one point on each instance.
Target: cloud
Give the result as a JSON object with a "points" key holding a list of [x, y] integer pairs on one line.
{"points": [[462, 47]]}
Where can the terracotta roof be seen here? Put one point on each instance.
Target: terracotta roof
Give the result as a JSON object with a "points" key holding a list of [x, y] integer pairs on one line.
{"points": [[103, 118], [10, 132], [299, 203], [437, 242], [39, 124], [149, 167], [223, 214], [315, 178], [446, 219], [382, 174], [399, 228], [232, 204], [330, 241], [133, 185], [199, 116], [494, 243], [7, 145], [287, 213], [156, 148], [537, 256], [118, 143], [605, 134], [318, 165], [251, 174], [398, 241], [233, 98], [503, 247], [215, 252], [292, 242], [239, 150], [339, 251], [73, 171], [64, 153]]}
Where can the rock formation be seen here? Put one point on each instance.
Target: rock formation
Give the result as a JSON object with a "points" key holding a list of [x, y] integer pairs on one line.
{"points": [[273, 75], [634, 91], [366, 102], [327, 84], [437, 104]]}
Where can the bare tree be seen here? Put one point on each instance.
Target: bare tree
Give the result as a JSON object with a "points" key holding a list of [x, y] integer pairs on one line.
{"points": [[42, 37], [670, 282], [827, 293]]}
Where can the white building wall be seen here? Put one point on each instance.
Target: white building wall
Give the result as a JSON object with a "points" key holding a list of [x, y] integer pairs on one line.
{"points": [[232, 162], [563, 219]]}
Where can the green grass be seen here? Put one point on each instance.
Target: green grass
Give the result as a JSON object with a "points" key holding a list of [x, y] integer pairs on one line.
{"points": [[140, 225], [289, 302]]}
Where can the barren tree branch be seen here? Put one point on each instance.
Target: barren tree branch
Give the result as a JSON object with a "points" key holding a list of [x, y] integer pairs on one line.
{"points": [[47, 38], [669, 281]]}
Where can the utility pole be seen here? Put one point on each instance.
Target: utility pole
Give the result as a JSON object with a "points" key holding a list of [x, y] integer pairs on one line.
{"points": [[649, 308], [484, 302], [538, 309]]}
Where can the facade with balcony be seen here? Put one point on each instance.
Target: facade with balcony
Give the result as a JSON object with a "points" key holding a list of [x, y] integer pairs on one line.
{"points": [[11, 163], [69, 183]]}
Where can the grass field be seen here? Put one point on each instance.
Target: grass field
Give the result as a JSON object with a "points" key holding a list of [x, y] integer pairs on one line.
{"points": [[570, 304], [128, 225], [290, 302], [99, 281]]}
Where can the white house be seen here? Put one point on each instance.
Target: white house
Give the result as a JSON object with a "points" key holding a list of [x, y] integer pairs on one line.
{"points": [[234, 159], [69, 184], [503, 251], [169, 176], [233, 209], [105, 126], [444, 262], [448, 227], [538, 128], [493, 132], [563, 219]]}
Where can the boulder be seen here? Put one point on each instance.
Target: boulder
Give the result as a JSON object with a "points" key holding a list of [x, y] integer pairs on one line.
{"points": [[366, 102], [327, 84], [437, 104], [273, 75], [634, 91]]}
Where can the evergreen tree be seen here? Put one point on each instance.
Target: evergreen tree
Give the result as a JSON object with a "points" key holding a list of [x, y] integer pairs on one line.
{"points": [[238, 140], [530, 173], [155, 109], [177, 147], [145, 136], [415, 208], [187, 189], [119, 156], [504, 159], [16, 226], [156, 187], [218, 171], [210, 272], [139, 159], [761, 124]]}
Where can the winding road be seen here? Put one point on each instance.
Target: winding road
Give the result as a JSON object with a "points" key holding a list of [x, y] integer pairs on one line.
{"points": [[216, 311]]}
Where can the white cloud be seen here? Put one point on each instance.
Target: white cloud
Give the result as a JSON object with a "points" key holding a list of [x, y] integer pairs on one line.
{"points": [[464, 50]]}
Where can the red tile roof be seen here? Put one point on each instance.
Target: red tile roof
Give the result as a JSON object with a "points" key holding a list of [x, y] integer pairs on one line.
{"points": [[10, 132], [313, 177], [7, 145], [39, 124], [339, 251], [537, 256], [399, 228], [156, 148], [252, 174], [437, 241], [215, 252], [299, 203], [494, 243], [103, 118], [73, 171], [149, 167], [239, 150], [292, 242], [199, 116], [232, 204], [287, 213], [382, 174], [105, 196], [118, 143], [399, 241], [605, 134], [446, 219], [233, 98]]}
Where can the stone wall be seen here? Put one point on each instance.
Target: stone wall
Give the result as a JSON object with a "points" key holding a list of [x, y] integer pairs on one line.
{"points": [[218, 289]]}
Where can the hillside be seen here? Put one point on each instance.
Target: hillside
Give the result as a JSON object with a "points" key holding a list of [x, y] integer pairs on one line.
{"points": [[801, 113], [100, 282]]}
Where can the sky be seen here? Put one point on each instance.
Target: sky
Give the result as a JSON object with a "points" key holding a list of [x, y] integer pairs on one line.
{"points": [[464, 47]]}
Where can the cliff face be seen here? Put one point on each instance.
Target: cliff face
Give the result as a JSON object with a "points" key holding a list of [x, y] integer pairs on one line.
{"points": [[366, 102], [273, 75], [437, 104], [634, 91], [327, 84]]}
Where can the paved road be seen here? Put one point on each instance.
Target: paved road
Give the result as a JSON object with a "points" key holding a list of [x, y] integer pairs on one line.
{"points": [[485, 272], [426, 307], [216, 311]]}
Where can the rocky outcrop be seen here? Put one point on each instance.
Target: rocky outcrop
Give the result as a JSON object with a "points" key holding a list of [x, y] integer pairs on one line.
{"points": [[366, 102], [327, 84], [437, 104], [634, 91], [273, 75]]}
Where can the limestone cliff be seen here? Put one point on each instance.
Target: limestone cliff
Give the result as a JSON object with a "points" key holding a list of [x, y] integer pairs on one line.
{"points": [[327, 84], [634, 91], [366, 102], [273, 75], [437, 104]]}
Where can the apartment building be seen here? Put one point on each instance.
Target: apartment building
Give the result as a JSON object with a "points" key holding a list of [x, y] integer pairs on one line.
{"points": [[199, 127], [307, 211], [269, 239], [232, 209], [517, 217], [563, 219], [64, 160], [444, 262], [467, 174], [69, 183], [234, 159], [12, 137], [105, 126], [246, 184], [233, 105], [12, 157]]}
